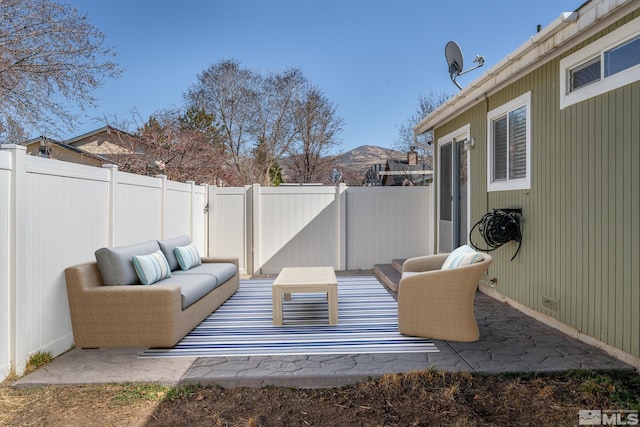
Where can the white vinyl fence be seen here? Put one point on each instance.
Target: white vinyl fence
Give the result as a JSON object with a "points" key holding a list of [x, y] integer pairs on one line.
{"points": [[349, 228], [55, 214]]}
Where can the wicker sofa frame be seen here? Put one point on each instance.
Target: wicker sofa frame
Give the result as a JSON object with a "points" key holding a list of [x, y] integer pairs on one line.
{"points": [[136, 316]]}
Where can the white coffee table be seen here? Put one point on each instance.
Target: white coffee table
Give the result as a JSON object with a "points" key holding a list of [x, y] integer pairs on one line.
{"points": [[305, 280]]}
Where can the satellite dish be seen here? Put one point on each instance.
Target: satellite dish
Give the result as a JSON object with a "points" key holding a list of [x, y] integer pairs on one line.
{"points": [[455, 60]]}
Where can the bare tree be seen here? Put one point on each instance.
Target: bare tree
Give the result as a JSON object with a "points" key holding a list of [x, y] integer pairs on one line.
{"points": [[11, 132], [275, 125], [51, 59], [426, 105], [230, 93], [318, 127], [266, 120]]}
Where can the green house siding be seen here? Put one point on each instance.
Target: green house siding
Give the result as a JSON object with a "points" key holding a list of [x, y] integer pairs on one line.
{"points": [[580, 255]]}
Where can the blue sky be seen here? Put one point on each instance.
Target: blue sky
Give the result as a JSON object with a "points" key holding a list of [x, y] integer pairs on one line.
{"points": [[371, 58]]}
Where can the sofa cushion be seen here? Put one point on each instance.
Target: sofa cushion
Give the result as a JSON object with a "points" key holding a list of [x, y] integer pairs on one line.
{"points": [[460, 257], [151, 268], [192, 286], [116, 264], [168, 245], [188, 256], [222, 271]]}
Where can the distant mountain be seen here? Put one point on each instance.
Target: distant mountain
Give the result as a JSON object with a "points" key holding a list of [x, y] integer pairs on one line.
{"points": [[354, 163]]}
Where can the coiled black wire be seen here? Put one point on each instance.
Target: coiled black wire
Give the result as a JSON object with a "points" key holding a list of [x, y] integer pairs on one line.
{"points": [[497, 228]]}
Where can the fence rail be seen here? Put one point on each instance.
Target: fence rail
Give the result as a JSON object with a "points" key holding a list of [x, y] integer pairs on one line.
{"points": [[55, 214]]}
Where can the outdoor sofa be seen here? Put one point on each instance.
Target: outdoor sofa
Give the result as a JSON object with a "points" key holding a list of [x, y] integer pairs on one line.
{"points": [[129, 297], [436, 295]]}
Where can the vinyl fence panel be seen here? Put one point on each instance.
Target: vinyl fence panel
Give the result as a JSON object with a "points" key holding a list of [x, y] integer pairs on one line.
{"points": [[65, 221], [5, 313], [230, 229], [349, 228], [297, 227], [385, 223], [137, 213], [54, 214]]}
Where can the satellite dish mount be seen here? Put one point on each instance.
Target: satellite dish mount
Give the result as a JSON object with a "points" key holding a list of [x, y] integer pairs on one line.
{"points": [[456, 62]]}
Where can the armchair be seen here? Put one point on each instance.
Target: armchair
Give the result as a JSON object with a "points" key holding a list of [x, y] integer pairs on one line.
{"points": [[436, 303]]}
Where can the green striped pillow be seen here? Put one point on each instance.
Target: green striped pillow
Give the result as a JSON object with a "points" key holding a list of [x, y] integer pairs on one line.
{"points": [[151, 268], [188, 256]]}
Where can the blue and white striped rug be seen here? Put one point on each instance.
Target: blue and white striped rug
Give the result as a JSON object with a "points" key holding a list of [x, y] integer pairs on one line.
{"points": [[243, 326]]}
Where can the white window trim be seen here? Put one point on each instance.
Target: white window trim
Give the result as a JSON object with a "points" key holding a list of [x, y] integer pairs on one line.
{"points": [[513, 184], [598, 47]]}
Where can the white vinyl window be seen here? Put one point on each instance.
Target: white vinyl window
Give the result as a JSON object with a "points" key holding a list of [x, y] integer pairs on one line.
{"points": [[606, 64], [509, 136]]}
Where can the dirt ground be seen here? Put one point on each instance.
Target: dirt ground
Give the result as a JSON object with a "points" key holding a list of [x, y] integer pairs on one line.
{"points": [[413, 399]]}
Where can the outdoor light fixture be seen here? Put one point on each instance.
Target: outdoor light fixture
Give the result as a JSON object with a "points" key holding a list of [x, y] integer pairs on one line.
{"points": [[468, 143]]}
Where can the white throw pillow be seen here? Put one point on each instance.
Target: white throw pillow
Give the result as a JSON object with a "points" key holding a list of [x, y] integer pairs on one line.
{"points": [[462, 256]]}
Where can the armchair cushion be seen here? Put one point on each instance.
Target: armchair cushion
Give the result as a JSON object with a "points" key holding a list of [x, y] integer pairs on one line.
{"points": [[460, 257]]}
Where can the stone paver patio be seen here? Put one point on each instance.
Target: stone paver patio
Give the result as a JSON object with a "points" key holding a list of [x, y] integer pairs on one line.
{"points": [[510, 341]]}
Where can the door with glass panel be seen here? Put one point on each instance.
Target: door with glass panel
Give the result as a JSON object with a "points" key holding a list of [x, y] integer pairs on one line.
{"points": [[453, 195]]}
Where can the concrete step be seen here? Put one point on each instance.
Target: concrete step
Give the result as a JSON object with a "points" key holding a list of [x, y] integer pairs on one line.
{"points": [[389, 276], [397, 264]]}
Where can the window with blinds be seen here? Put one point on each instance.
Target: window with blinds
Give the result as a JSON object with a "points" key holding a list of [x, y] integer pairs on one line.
{"points": [[509, 145], [606, 64]]}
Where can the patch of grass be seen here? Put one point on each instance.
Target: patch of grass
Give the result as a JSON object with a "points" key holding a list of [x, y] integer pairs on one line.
{"points": [[621, 388], [142, 391], [182, 393], [37, 360]]}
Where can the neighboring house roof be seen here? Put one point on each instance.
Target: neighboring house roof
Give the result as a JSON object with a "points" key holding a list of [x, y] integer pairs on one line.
{"points": [[44, 143], [104, 129], [79, 151], [91, 145], [568, 30]]}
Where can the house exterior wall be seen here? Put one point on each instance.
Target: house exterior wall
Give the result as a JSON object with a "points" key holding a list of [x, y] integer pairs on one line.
{"points": [[102, 143], [33, 149], [580, 218], [101, 146], [58, 153]]}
